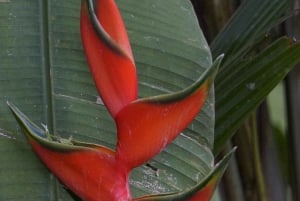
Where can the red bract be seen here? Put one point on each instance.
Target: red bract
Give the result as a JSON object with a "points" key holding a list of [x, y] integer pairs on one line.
{"points": [[108, 53], [90, 171], [145, 126]]}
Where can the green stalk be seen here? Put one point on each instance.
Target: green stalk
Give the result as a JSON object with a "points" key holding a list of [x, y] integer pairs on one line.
{"points": [[260, 183], [249, 161]]}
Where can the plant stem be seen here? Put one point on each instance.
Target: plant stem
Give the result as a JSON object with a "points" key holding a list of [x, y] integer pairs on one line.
{"points": [[260, 183], [249, 161], [293, 110]]}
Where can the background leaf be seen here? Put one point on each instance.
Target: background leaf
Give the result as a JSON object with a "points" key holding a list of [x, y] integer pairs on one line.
{"points": [[43, 71], [252, 66]]}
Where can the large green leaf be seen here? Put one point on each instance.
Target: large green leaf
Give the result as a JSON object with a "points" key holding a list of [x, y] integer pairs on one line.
{"points": [[44, 72]]}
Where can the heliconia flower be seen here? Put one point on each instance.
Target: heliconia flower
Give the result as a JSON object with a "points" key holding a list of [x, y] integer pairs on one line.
{"points": [[144, 126], [92, 172]]}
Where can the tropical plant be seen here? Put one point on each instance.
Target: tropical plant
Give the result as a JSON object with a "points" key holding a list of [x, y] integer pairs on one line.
{"points": [[44, 73]]}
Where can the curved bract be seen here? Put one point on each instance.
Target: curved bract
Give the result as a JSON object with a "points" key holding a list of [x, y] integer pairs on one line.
{"points": [[90, 171], [147, 126], [144, 126], [108, 53]]}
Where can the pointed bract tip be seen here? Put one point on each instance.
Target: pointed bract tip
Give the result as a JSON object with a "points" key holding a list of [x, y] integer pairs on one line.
{"points": [[102, 33]]}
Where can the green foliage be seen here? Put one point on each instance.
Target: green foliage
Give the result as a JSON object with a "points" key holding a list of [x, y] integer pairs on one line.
{"points": [[252, 66]]}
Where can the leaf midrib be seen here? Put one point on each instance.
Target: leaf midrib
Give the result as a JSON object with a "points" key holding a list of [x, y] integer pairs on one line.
{"points": [[48, 102]]}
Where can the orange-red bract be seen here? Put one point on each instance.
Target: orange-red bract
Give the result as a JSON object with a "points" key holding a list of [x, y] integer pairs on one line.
{"points": [[90, 171], [113, 71], [146, 127], [90, 174]]}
